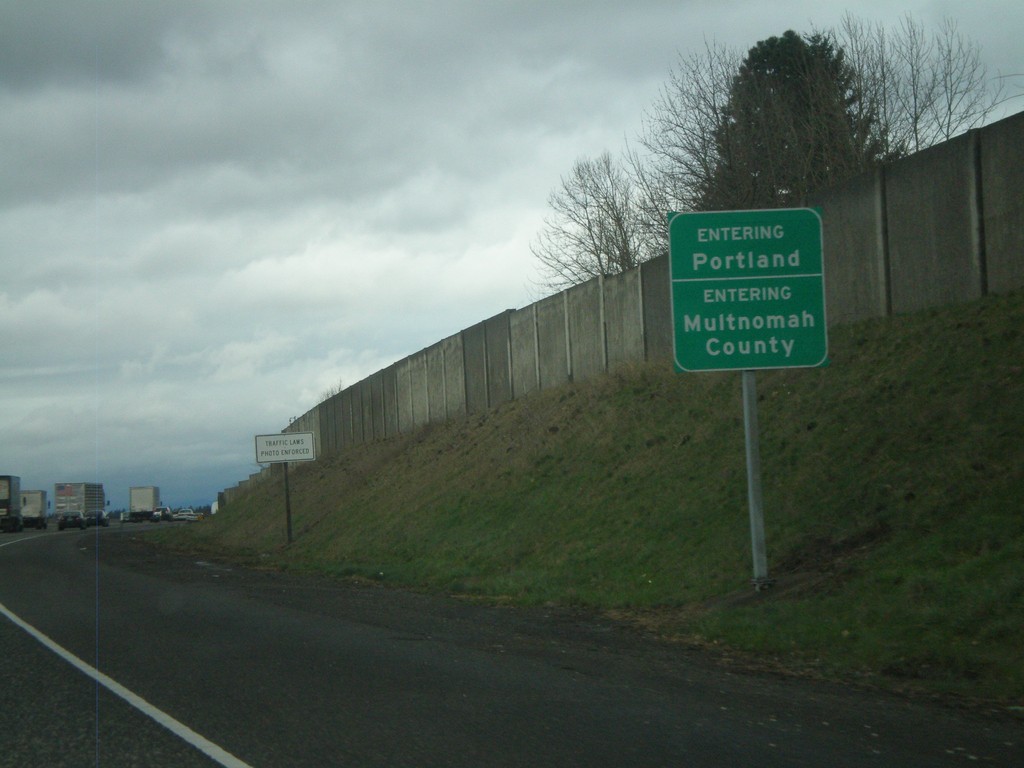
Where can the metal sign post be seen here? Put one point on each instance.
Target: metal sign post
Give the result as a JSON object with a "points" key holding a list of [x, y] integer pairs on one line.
{"points": [[283, 448], [754, 498], [287, 504], [748, 293]]}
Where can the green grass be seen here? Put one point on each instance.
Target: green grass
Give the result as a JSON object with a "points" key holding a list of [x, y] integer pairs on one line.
{"points": [[892, 493]]}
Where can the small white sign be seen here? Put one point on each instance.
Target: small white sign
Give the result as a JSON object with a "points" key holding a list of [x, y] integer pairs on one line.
{"points": [[285, 446]]}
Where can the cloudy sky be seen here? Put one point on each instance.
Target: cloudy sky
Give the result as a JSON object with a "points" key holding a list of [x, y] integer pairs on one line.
{"points": [[211, 212]]}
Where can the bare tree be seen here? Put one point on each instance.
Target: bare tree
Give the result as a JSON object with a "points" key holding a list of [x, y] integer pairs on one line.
{"points": [[676, 153], [879, 80], [795, 114], [593, 228], [680, 132], [964, 96], [923, 88], [333, 390]]}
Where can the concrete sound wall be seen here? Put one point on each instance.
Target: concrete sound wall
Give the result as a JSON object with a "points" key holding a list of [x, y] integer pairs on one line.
{"points": [[418, 391], [584, 312], [498, 355], [403, 396], [474, 361], [944, 225], [436, 401], [522, 330], [657, 309], [932, 225], [623, 318], [853, 232], [552, 341], [454, 376], [373, 404], [351, 421], [389, 394], [331, 424], [364, 418], [1002, 202]]}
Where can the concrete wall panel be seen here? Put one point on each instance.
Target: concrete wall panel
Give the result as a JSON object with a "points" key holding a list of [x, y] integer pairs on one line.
{"points": [[499, 359], [344, 419], [474, 351], [325, 431], [403, 382], [623, 318], [361, 431], [1002, 199], [328, 437], [522, 329], [454, 376], [436, 400], [333, 442], [311, 423], [657, 308], [314, 422], [373, 403], [360, 412], [933, 244], [353, 417], [586, 330], [418, 389], [552, 341], [853, 231], [389, 394], [336, 415]]}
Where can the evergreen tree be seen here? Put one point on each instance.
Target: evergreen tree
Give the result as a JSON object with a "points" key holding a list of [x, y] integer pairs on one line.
{"points": [[793, 122]]}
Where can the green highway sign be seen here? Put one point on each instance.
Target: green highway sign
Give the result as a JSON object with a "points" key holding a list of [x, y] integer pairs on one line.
{"points": [[748, 290]]}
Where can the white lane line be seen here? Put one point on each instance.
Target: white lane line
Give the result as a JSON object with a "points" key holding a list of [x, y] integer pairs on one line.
{"points": [[179, 729], [21, 539]]}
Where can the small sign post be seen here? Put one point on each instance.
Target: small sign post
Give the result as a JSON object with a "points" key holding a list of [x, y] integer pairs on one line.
{"points": [[748, 293], [283, 448]]}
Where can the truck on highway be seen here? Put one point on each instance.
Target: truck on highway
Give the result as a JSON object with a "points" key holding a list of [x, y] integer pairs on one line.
{"points": [[79, 504], [33, 509], [142, 500], [10, 503]]}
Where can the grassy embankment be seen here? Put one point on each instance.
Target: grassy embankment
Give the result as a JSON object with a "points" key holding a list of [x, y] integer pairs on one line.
{"points": [[892, 483]]}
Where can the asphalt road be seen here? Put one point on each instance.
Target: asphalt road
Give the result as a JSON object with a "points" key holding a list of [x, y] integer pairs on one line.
{"points": [[279, 670]]}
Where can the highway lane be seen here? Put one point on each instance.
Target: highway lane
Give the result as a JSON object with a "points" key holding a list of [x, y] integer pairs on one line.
{"points": [[280, 670], [61, 719]]}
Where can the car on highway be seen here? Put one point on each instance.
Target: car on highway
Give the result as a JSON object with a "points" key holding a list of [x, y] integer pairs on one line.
{"points": [[161, 513], [186, 514], [97, 519], [70, 520]]}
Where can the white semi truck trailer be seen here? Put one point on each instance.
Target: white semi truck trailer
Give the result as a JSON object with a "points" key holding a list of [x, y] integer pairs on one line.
{"points": [[10, 503], [33, 509], [142, 500]]}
